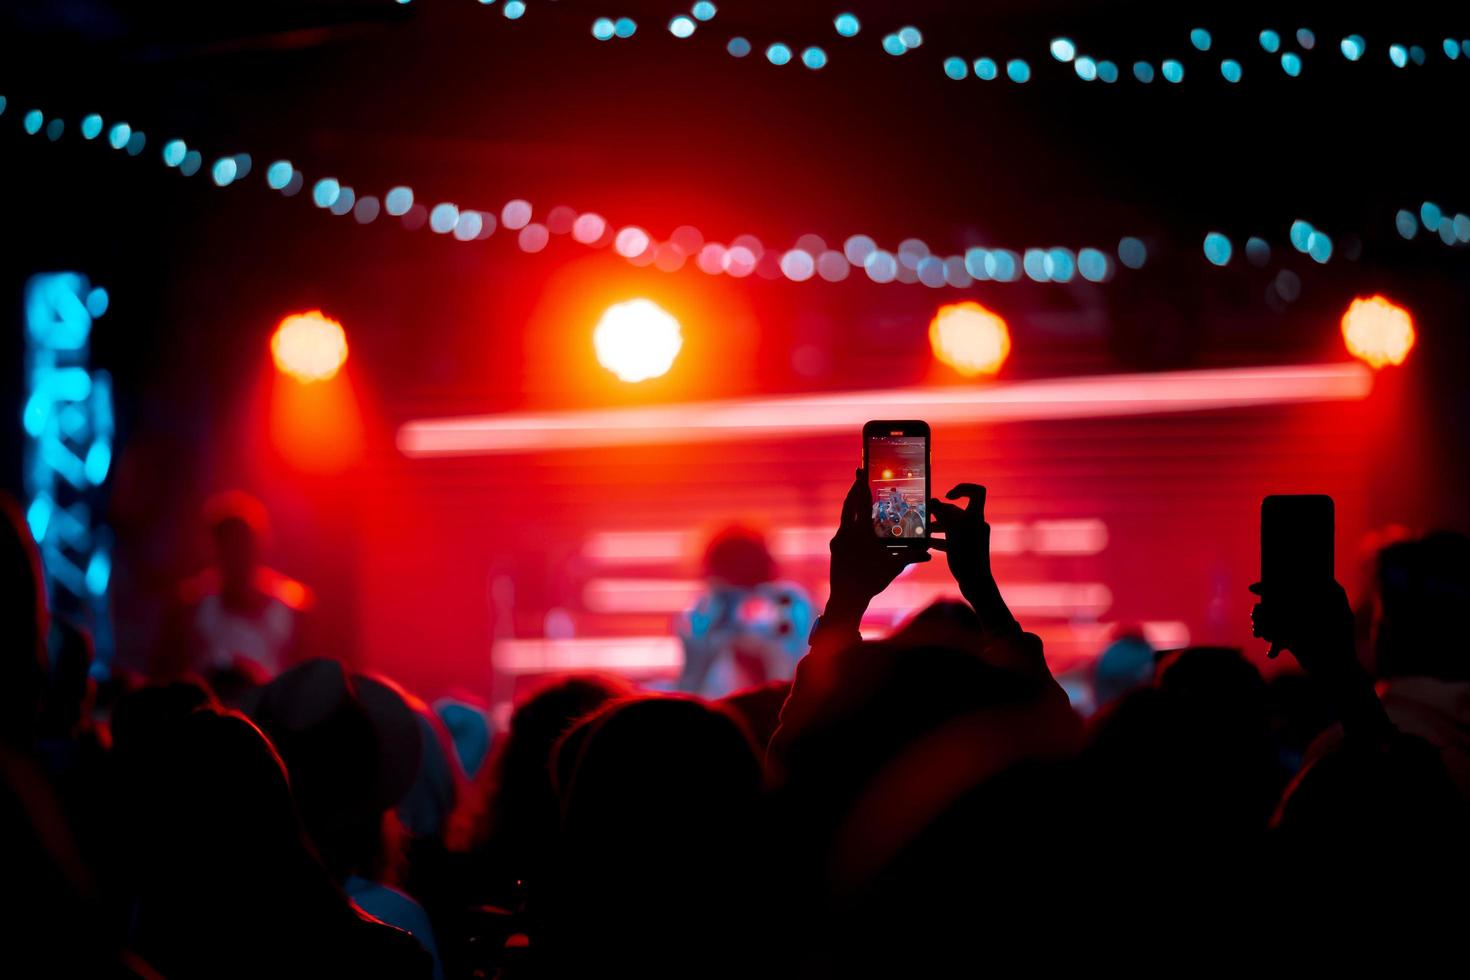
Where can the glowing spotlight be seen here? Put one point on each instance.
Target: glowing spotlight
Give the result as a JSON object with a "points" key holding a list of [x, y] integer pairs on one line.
{"points": [[1377, 331], [309, 346], [637, 340], [969, 338]]}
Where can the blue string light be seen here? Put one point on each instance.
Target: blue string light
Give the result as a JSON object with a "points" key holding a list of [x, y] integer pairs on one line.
{"points": [[847, 25]]}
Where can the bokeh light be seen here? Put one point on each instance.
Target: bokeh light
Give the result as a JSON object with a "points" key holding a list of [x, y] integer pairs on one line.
{"points": [[533, 237], [1306, 39], [1257, 251], [1406, 223], [798, 265], [516, 214], [1377, 331], [631, 241], [956, 68], [1230, 69], [1063, 49], [344, 202], [324, 192], [894, 45], [1319, 246], [513, 9], [1173, 71], [681, 26], [1399, 55], [588, 228], [814, 58], [602, 28], [1270, 41], [118, 135], [443, 217], [911, 37], [398, 200], [223, 171], [1200, 38], [1431, 215], [1132, 252], [309, 346], [1107, 71], [91, 126], [1093, 265], [847, 25], [1300, 234], [738, 47], [1353, 47], [986, 69], [625, 27], [1143, 71], [778, 54], [277, 175], [969, 338], [1018, 71], [1291, 63], [1085, 68], [637, 340], [703, 10], [192, 161]]}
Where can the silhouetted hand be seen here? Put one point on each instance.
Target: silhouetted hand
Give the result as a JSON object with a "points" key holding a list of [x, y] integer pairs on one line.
{"points": [[862, 566], [1316, 626], [966, 542]]}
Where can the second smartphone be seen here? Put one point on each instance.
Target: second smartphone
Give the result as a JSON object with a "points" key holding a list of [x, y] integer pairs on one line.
{"points": [[896, 458]]}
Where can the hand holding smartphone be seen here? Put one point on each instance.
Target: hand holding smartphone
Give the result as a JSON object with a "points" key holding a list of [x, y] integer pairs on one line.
{"points": [[896, 460], [1296, 551]]}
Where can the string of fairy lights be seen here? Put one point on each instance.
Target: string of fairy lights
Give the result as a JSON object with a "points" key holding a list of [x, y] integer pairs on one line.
{"points": [[1288, 50], [810, 258]]}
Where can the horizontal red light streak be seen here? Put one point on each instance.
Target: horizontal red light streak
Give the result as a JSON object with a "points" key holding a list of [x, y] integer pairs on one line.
{"points": [[1055, 398]]}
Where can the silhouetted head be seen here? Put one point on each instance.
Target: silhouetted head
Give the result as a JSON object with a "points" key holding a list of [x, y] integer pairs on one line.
{"points": [[145, 717], [759, 707], [522, 809], [1424, 591], [738, 556], [352, 745], [658, 834], [656, 772], [238, 528], [1188, 757], [23, 625], [222, 803]]}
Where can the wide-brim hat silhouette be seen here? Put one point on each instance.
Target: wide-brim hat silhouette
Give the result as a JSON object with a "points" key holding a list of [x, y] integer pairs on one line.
{"points": [[350, 741]]}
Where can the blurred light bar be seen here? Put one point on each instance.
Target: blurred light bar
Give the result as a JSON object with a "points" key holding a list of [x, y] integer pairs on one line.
{"points": [[1084, 536], [1055, 398], [1052, 600], [631, 654]]}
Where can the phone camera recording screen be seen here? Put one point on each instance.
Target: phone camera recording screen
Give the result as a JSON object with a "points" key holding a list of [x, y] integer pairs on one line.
{"points": [[897, 481]]}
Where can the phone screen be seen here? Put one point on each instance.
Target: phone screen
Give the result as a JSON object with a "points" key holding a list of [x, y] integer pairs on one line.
{"points": [[898, 479], [1296, 540]]}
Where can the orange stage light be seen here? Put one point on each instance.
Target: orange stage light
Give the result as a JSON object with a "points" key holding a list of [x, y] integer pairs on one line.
{"points": [[1378, 331], [969, 338], [309, 346], [637, 340]]}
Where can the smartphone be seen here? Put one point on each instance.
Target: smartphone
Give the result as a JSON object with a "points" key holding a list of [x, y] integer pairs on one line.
{"points": [[896, 459], [1296, 541]]}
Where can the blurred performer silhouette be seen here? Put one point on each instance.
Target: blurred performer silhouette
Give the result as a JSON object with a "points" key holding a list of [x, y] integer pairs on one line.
{"points": [[748, 628], [238, 623]]}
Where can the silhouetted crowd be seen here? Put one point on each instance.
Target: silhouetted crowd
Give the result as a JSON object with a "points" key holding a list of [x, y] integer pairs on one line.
{"points": [[928, 804]]}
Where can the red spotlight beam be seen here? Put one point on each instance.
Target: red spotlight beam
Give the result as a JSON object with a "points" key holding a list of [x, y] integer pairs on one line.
{"points": [[1054, 398]]}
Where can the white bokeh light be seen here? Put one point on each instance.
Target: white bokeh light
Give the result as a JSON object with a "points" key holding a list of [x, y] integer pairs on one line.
{"points": [[637, 340]]}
